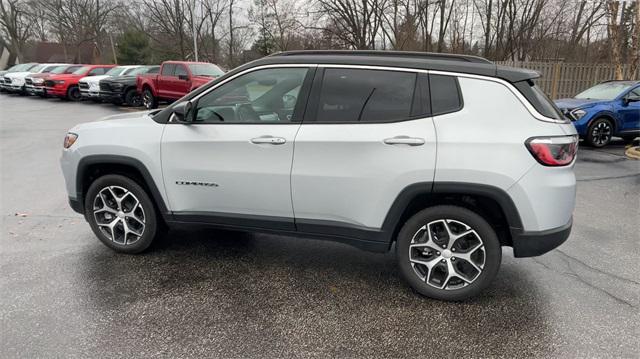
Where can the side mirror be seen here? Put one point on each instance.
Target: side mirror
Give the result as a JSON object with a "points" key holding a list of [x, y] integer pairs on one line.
{"points": [[631, 98], [182, 112], [183, 77]]}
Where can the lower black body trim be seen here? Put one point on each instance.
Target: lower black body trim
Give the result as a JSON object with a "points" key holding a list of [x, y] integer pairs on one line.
{"points": [[362, 238], [531, 244], [76, 205]]}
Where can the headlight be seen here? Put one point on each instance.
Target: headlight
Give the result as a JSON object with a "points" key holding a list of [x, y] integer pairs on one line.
{"points": [[58, 82], [116, 86], [17, 82], [70, 139], [38, 80], [578, 113]]}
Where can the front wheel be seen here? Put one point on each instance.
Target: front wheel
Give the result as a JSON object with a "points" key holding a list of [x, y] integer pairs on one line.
{"points": [[148, 100], [133, 98], [121, 214], [448, 253], [73, 94], [600, 132]]}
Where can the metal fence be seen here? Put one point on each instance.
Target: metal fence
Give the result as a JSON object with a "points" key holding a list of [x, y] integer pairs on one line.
{"points": [[565, 79]]}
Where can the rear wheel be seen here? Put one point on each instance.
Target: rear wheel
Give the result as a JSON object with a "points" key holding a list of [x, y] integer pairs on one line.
{"points": [[448, 253], [600, 132], [133, 98], [73, 93], [148, 100], [121, 214]]}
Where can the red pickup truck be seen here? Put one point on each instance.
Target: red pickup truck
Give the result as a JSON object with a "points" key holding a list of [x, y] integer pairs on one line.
{"points": [[176, 79], [65, 85]]}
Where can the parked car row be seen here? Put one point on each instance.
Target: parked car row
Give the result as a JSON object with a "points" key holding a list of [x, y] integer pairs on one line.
{"points": [[132, 85]]}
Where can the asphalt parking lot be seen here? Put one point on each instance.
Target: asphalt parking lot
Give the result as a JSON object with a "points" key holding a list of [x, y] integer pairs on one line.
{"points": [[210, 293]]}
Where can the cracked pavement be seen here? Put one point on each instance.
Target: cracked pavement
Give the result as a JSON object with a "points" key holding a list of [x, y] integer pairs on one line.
{"points": [[211, 293]]}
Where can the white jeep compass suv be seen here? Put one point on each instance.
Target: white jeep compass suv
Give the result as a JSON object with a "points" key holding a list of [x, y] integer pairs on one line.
{"points": [[449, 157]]}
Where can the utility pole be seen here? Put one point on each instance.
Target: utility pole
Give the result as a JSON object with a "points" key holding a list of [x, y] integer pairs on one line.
{"points": [[113, 50], [193, 28]]}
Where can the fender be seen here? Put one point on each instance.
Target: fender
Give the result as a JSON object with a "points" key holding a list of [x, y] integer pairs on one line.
{"points": [[606, 113], [87, 161]]}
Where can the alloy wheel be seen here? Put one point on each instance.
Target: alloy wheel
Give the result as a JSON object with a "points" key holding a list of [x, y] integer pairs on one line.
{"points": [[119, 215], [447, 254], [601, 133]]}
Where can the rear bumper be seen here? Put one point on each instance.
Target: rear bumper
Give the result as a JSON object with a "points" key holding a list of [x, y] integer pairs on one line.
{"points": [[531, 244]]}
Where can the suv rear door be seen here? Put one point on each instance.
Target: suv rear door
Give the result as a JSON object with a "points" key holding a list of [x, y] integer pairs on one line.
{"points": [[366, 136], [232, 165]]}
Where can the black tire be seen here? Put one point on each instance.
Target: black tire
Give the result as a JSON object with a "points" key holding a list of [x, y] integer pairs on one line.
{"points": [[148, 100], [492, 254], [118, 182], [73, 94], [600, 132], [132, 98]]}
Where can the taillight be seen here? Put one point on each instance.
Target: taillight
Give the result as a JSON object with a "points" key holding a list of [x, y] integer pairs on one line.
{"points": [[553, 151]]}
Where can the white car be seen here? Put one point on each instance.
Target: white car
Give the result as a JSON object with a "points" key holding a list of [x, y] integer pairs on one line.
{"points": [[90, 85], [16, 81]]}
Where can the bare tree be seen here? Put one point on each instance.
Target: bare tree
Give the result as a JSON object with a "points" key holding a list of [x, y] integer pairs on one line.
{"points": [[614, 36], [355, 22], [15, 28]]}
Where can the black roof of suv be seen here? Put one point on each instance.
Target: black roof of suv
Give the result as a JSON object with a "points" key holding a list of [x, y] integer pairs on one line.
{"points": [[418, 60]]}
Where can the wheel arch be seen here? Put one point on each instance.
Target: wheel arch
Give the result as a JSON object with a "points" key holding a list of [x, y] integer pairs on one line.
{"points": [[92, 167], [492, 203], [609, 116]]}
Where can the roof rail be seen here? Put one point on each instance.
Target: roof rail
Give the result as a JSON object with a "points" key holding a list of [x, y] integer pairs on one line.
{"points": [[412, 54]]}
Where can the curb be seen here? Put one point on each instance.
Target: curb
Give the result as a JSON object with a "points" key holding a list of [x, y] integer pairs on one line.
{"points": [[633, 152]]}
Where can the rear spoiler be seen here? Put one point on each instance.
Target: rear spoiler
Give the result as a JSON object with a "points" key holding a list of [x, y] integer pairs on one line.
{"points": [[514, 75]]}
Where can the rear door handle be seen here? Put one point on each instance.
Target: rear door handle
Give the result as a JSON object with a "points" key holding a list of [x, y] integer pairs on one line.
{"points": [[404, 140], [269, 140]]}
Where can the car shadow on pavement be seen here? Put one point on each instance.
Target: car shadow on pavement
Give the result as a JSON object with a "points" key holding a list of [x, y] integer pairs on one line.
{"points": [[336, 299]]}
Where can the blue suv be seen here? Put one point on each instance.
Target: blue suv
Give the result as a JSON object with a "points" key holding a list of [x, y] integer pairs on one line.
{"points": [[608, 109]]}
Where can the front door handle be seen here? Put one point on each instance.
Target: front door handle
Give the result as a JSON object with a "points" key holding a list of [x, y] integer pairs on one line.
{"points": [[404, 140], [269, 140]]}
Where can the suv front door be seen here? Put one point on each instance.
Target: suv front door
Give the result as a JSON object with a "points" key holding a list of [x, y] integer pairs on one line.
{"points": [[232, 164]]}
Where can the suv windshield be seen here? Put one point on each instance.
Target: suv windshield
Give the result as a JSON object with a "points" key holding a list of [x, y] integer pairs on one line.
{"points": [[81, 70], [205, 70], [605, 91]]}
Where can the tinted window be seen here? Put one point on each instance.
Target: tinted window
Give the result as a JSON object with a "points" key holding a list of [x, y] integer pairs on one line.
{"points": [[445, 95], [168, 69], [538, 99], [181, 71], [354, 95], [263, 96]]}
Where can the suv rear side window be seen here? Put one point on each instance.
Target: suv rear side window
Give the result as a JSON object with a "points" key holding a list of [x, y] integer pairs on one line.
{"points": [[445, 94], [358, 95], [538, 99]]}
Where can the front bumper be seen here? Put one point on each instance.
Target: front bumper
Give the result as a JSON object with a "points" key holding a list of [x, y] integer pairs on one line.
{"points": [[111, 96], [15, 88], [93, 94], [56, 91], [531, 244], [35, 90]]}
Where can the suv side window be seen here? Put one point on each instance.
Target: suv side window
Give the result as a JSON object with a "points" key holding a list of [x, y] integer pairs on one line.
{"points": [[445, 94], [262, 96], [359, 95], [181, 70], [168, 69]]}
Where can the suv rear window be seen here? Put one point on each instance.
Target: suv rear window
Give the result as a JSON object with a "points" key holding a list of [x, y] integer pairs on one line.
{"points": [[358, 95], [538, 99], [445, 94]]}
